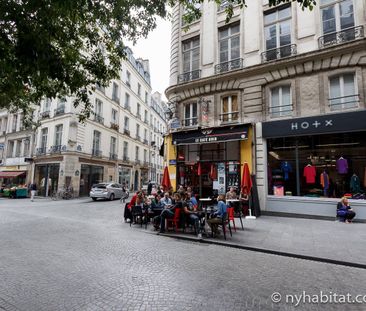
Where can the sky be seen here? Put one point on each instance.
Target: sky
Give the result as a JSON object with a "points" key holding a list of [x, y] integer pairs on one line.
{"points": [[156, 48]]}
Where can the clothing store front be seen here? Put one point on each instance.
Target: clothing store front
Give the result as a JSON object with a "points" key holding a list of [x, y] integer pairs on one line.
{"points": [[209, 160], [90, 175], [46, 177], [314, 161], [124, 175]]}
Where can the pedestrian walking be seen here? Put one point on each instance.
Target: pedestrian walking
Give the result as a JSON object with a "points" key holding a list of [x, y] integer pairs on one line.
{"points": [[33, 189]]}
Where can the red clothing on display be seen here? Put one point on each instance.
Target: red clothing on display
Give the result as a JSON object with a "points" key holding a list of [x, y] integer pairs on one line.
{"points": [[310, 174]]}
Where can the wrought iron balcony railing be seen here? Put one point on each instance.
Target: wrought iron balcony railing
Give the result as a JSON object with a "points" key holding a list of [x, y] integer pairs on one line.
{"points": [[55, 148], [344, 102], [278, 53], [113, 156], [345, 35], [99, 119], [189, 76], [229, 116], [228, 66], [280, 110], [126, 158], [45, 114], [127, 132], [96, 153], [145, 141], [40, 151], [114, 126], [59, 111], [190, 121]]}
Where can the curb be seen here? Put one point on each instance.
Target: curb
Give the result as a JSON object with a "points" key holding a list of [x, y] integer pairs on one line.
{"points": [[266, 251]]}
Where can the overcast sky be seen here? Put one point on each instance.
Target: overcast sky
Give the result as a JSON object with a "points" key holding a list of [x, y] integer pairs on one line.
{"points": [[156, 48]]}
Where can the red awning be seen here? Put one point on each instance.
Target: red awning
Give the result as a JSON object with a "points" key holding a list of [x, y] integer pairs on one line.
{"points": [[11, 174]]}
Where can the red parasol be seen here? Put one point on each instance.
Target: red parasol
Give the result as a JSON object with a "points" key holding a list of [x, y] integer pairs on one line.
{"points": [[213, 172], [199, 171], [246, 181], [166, 180]]}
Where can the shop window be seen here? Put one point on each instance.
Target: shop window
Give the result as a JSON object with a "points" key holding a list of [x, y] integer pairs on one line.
{"points": [[280, 101], [342, 92], [321, 166], [277, 30], [229, 109], [190, 114], [337, 21]]}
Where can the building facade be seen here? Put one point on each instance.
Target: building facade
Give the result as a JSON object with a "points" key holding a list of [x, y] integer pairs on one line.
{"points": [[280, 88], [114, 144]]}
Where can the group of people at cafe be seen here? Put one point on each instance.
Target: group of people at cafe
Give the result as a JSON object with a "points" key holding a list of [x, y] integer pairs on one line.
{"points": [[164, 205]]}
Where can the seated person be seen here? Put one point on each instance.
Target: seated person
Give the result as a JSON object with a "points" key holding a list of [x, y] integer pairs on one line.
{"points": [[344, 211], [168, 212], [219, 215], [192, 217], [231, 195], [166, 201], [244, 202], [191, 199]]}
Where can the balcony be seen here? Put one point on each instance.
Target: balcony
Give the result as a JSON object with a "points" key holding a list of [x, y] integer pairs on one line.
{"points": [[146, 142], [281, 110], [113, 156], [114, 126], [56, 149], [126, 158], [126, 132], [343, 36], [190, 122], [99, 119], [138, 115], [138, 137], [229, 117], [137, 162], [41, 151], [344, 102], [189, 76], [59, 111], [228, 66], [96, 153], [127, 107], [278, 53], [45, 114]]}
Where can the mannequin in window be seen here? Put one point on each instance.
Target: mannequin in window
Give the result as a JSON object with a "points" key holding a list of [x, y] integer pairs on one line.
{"points": [[324, 181], [355, 184], [310, 174], [286, 169]]}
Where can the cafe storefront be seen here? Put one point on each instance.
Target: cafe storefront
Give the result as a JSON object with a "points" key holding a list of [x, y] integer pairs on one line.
{"points": [[209, 160], [312, 162]]}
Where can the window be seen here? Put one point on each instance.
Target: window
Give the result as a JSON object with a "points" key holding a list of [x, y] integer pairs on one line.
{"points": [[190, 114], [114, 116], [280, 101], [15, 121], [44, 134], [139, 89], [113, 148], [18, 148], [138, 111], [61, 103], [137, 151], [229, 109], [138, 131], [146, 118], [127, 101], [145, 155], [229, 46], [277, 30], [26, 143], [342, 92], [128, 78], [337, 16], [47, 105], [145, 136], [58, 135], [21, 119], [98, 107], [146, 98], [10, 149], [127, 123], [115, 92], [125, 150], [96, 143], [191, 59]]}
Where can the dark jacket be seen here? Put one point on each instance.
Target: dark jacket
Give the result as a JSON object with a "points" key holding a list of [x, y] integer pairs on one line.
{"points": [[33, 187]]}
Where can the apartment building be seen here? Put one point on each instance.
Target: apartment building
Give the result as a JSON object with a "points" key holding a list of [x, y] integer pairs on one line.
{"points": [[279, 88], [114, 144]]}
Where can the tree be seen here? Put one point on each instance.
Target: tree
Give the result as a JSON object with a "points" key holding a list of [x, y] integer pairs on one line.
{"points": [[56, 48]]}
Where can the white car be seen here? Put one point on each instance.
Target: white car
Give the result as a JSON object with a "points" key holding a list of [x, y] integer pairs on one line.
{"points": [[109, 191]]}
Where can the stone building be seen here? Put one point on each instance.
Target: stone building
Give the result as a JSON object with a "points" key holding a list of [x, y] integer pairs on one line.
{"points": [[280, 88]]}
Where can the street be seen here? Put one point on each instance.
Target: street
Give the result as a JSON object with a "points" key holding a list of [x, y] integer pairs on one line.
{"points": [[79, 255]]}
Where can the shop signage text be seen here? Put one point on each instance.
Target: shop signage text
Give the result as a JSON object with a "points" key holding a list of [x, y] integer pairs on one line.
{"points": [[305, 125]]}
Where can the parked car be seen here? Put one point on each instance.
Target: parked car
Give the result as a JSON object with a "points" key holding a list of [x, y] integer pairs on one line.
{"points": [[109, 191]]}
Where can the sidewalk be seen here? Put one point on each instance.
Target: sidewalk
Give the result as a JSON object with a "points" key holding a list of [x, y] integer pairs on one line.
{"points": [[317, 239]]}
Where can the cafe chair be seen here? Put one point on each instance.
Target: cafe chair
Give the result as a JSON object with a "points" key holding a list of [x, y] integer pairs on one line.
{"points": [[225, 222], [230, 215], [174, 222], [136, 212]]}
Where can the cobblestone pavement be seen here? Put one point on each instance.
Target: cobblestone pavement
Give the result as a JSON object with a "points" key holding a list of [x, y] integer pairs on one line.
{"points": [[78, 255]]}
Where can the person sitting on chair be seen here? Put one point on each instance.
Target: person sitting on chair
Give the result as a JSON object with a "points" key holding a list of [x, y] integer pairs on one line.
{"points": [[168, 212], [218, 216], [344, 211], [231, 195], [166, 201]]}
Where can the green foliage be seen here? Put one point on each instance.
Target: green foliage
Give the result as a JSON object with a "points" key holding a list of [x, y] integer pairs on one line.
{"points": [[57, 48]]}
